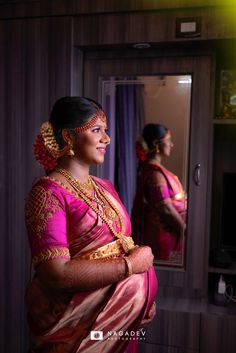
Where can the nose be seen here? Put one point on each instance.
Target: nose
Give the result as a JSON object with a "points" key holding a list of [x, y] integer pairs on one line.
{"points": [[105, 138]]}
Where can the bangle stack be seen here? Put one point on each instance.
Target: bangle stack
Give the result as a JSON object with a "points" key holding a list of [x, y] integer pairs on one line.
{"points": [[129, 271]]}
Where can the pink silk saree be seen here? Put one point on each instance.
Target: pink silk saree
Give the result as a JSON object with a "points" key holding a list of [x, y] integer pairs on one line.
{"points": [[157, 185], [60, 225]]}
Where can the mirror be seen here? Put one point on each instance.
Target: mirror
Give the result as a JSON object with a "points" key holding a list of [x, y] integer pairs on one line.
{"points": [[130, 103]]}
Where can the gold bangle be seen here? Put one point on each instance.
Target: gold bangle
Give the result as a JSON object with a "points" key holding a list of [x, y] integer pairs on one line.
{"points": [[129, 271]]}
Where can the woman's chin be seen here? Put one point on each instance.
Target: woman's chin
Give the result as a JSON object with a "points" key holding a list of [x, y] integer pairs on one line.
{"points": [[98, 161], [167, 154]]}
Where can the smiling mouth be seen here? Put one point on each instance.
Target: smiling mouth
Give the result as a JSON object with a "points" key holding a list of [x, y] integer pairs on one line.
{"points": [[102, 150]]}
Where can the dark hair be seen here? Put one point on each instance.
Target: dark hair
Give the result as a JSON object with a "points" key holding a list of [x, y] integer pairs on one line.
{"points": [[71, 112], [152, 132]]}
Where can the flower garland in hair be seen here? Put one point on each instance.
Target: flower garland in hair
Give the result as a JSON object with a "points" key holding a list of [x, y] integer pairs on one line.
{"points": [[46, 148], [43, 156], [141, 149]]}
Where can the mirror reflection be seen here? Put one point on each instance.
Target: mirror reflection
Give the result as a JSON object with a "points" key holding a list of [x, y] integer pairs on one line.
{"points": [[149, 118]]}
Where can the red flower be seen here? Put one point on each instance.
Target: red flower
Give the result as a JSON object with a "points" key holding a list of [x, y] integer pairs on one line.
{"points": [[43, 156], [140, 152]]}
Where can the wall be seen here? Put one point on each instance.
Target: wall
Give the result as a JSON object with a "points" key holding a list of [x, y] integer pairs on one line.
{"points": [[34, 8], [35, 70]]}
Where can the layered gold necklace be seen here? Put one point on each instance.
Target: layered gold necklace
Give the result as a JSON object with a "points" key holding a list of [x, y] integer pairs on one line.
{"points": [[93, 195]]}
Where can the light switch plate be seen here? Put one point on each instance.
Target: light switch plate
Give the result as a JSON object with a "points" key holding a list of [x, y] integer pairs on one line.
{"points": [[188, 27]]}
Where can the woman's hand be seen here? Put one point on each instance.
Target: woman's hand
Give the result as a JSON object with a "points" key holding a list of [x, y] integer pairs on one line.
{"points": [[141, 259], [147, 319], [171, 220]]}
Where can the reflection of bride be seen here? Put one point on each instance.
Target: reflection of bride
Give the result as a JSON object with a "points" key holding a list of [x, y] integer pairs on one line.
{"points": [[159, 210]]}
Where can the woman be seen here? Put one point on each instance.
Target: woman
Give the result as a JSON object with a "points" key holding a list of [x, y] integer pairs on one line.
{"points": [[159, 210], [90, 279]]}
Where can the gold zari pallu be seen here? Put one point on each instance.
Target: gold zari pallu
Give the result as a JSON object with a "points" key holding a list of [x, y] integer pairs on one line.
{"points": [[113, 249]]}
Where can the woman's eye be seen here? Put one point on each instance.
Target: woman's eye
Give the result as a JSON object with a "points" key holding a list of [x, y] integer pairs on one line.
{"points": [[97, 129], [106, 131]]}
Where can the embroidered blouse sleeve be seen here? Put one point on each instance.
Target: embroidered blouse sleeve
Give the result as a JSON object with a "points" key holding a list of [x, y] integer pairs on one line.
{"points": [[46, 224], [157, 191]]}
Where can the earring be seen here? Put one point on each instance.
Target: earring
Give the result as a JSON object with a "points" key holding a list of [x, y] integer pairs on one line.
{"points": [[157, 149], [70, 152]]}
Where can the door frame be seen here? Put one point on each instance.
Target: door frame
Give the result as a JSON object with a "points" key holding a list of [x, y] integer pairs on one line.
{"points": [[192, 280]]}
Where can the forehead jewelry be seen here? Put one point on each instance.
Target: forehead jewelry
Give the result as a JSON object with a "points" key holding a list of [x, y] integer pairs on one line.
{"points": [[92, 121]]}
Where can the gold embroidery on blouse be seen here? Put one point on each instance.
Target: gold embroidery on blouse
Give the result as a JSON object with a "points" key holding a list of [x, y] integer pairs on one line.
{"points": [[50, 254], [41, 205]]}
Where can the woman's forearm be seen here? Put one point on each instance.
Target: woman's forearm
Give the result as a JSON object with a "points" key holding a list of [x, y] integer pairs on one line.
{"points": [[172, 218], [82, 275]]}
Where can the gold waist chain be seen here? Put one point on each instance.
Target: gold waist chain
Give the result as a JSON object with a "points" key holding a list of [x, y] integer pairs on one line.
{"points": [[113, 249]]}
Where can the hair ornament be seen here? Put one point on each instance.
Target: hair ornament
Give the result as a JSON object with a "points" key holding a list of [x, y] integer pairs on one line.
{"points": [[43, 156], [50, 141], [92, 121], [46, 149], [141, 149]]}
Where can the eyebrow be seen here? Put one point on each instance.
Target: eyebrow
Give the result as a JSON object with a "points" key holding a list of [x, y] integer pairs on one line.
{"points": [[97, 125]]}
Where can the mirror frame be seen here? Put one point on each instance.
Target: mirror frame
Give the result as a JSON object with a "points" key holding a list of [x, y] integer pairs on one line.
{"points": [[159, 81]]}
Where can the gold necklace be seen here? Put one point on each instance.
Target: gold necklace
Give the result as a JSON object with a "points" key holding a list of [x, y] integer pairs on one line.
{"points": [[98, 197], [108, 207], [78, 187], [88, 185]]}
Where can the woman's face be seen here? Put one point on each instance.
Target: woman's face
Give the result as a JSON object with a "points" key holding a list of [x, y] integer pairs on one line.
{"points": [[166, 145], [90, 145]]}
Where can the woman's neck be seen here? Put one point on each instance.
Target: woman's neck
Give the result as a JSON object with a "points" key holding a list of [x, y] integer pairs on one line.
{"points": [[75, 168], [155, 159]]}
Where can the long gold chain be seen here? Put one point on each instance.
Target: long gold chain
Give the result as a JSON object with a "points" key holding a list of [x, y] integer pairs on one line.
{"points": [[78, 187]]}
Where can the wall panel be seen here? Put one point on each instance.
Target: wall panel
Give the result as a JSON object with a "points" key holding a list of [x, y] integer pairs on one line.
{"points": [[30, 8], [35, 70], [152, 27]]}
